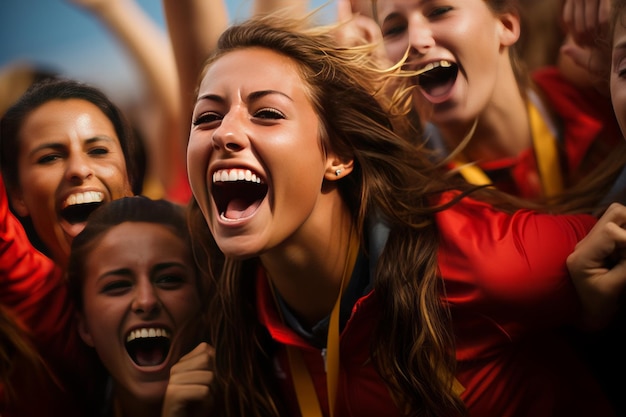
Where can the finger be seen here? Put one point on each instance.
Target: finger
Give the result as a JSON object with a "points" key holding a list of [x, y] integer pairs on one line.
{"points": [[344, 11], [195, 377]]}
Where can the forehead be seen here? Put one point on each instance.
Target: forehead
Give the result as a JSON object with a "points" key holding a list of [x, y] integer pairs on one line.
{"points": [[129, 241], [251, 69], [365, 7], [56, 116]]}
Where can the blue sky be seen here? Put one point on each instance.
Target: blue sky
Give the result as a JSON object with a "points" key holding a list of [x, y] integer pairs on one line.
{"points": [[58, 35]]}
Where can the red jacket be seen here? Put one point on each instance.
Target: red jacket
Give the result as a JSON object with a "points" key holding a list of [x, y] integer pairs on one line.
{"points": [[509, 290], [34, 289], [586, 129]]}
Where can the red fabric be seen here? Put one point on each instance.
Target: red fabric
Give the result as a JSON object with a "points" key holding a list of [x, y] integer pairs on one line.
{"points": [[586, 117], [588, 128], [180, 192], [33, 288], [508, 289]]}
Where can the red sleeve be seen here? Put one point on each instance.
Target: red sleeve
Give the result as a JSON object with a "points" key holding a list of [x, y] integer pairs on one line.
{"points": [[510, 268], [30, 280]]}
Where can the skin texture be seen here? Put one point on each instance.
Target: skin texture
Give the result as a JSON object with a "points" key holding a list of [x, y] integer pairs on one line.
{"points": [[457, 35], [268, 125], [618, 74], [470, 35], [66, 147], [138, 275]]}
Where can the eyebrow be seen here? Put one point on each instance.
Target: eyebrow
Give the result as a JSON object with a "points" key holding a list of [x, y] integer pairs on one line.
{"points": [[60, 145], [125, 271], [252, 96]]}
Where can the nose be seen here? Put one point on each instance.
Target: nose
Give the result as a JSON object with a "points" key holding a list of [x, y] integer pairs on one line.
{"points": [[78, 168], [146, 301], [421, 38], [230, 135]]}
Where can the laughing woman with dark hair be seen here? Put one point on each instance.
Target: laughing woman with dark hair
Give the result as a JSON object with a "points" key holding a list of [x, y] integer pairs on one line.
{"points": [[65, 148], [138, 294]]}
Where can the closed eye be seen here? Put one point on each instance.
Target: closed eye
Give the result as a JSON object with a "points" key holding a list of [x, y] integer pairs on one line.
{"points": [[439, 11], [269, 113], [46, 159], [117, 287], [98, 151], [207, 118]]}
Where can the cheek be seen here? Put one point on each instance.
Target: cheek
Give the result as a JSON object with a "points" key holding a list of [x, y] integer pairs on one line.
{"points": [[184, 305], [395, 49], [198, 154]]}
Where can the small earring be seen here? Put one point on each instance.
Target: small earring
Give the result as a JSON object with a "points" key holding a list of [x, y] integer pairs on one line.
{"points": [[337, 172]]}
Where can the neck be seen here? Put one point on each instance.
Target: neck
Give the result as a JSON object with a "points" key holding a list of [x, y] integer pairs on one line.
{"points": [[127, 405], [502, 129], [307, 271]]}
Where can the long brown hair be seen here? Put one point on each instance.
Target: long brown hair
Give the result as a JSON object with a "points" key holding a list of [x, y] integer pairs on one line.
{"points": [[413, 344]]}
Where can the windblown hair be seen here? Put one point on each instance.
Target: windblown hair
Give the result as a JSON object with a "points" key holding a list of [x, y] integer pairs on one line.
{"points": [[413, 344], [48, 90], [17, 356]]}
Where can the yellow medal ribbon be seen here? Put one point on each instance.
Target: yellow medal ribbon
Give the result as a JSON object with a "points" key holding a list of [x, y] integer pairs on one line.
{"points": [[303, 383], [546, 152]]}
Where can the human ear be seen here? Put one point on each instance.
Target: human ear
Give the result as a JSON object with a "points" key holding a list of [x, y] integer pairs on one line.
{"points": [[17, 202], [509, 29], [336, 168], [83, 330]]}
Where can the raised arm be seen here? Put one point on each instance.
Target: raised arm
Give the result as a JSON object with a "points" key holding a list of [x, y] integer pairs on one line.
{"points": [[151, 50], [194, 27], [296, 7]]}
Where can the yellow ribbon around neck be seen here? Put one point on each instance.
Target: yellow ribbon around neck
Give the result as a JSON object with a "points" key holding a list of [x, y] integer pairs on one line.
{"points": [[306, 394], [546, 152], [303, 383]]}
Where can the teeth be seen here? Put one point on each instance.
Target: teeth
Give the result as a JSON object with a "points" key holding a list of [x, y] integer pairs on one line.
{"points": [[83, 198], [235, 175], [146, 333], [432, 65]]}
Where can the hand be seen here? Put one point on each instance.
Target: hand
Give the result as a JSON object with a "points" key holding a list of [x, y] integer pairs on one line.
{"points": [[357, 29], [591, 65], [587, 20], [598, 267], [188, 392]]}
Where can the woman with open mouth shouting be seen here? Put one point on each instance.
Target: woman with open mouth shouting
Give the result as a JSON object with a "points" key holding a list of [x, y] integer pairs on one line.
{"points": [[539, 136], [138, 295], [351, 277]]}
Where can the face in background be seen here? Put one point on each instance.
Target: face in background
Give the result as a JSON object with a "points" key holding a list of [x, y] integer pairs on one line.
{"points": [[618, 72], [255, 158], [462, 42], [139, 295], [69, 161]]}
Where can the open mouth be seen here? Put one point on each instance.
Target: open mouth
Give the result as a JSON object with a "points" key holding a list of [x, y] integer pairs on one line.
{"points": [[237, 193], [437, 78], [77, 207], [148, 346]]}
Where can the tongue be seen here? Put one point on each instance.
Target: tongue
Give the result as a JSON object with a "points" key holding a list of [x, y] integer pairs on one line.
{"points": [[239, 208], [149, 356], [438, 90]]}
